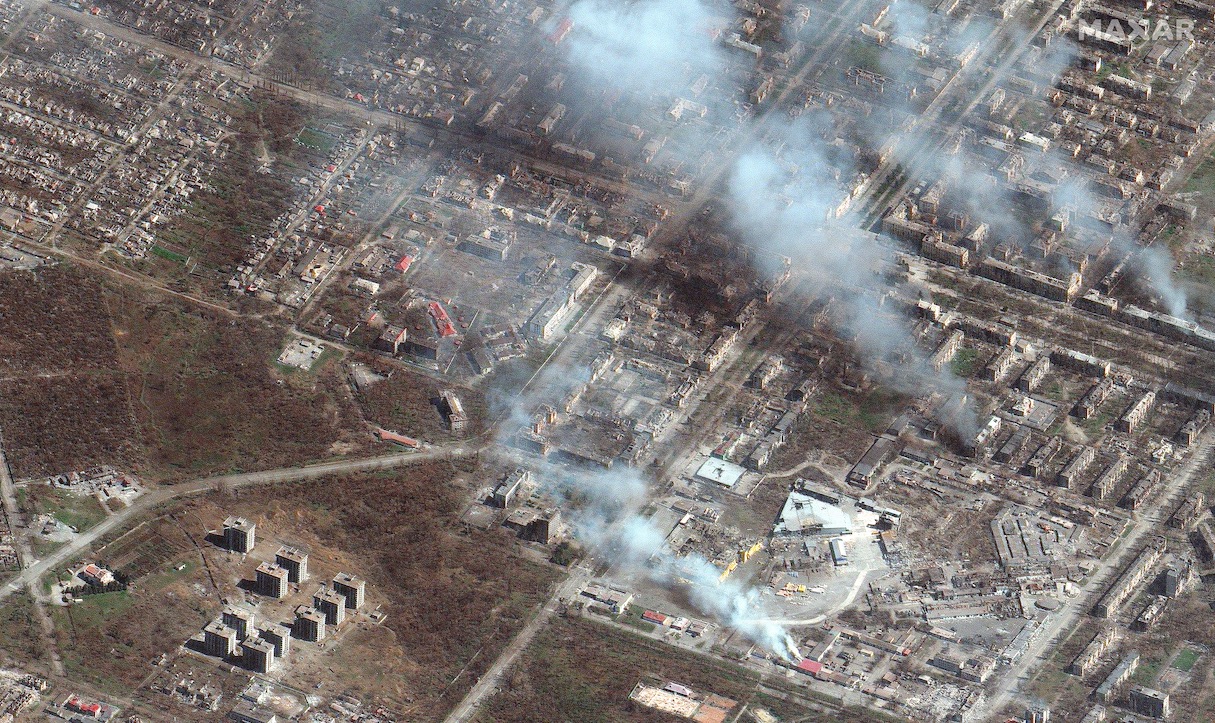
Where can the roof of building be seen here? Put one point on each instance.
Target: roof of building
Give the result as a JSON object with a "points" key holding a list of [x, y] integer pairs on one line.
{"points": [[803, 513], [720, 471]]}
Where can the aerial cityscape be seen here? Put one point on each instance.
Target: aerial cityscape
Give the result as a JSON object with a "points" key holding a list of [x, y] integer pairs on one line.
{"points": [[487, 361]]}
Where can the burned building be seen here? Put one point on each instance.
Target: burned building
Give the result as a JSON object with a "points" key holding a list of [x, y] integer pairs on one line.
{"points": [[1036, 465], [1136, 412], [1070, 474], [1107, 481], [1088, 658], [1096, 395], [1188, 512], [1125, 584], [1141, 490], [1033, 376]]}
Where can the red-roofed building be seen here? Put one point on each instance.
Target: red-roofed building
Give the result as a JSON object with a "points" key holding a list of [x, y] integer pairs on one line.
{"points": [[386, 436], [657, 618], [810, 667], [76, 705], [404, 264]]}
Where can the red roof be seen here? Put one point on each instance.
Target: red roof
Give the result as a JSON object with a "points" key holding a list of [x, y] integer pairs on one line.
{"points": [[810, 666], [404, 264], [563, 28], [401, 439], [654, 617]]}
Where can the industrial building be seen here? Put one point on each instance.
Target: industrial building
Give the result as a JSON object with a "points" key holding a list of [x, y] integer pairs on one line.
{"points": [[804, 514], [240, 535], [294, 561], [272, 580], [309, 624], [719, 471], [351, 588]]}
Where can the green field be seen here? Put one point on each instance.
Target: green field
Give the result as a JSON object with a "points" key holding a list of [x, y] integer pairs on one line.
{"points": [[964, 362], [78, 511], [1185, 660], [164, 253]]}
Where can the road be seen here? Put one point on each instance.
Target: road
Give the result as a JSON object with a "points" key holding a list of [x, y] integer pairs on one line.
{"points": [[34, 570], [1064, 620], [488, 683]]}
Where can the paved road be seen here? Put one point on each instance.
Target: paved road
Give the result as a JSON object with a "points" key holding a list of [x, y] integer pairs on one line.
{"points": [[36, 569], [488, 683], [1063, 621]]}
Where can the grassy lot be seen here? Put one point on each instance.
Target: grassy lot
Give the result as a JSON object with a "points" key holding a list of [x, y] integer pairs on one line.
{"points": [[964, 362], [1185, 659], [873, 412], [1203, 180], [74, 510], [1147, 671], [1093, 425], [317, 140]]}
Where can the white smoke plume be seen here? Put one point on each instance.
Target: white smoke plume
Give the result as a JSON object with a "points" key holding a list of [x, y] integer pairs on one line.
{"points": [[608, 517]]}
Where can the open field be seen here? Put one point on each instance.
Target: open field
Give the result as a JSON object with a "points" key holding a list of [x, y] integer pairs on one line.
{"points": [[64, 405], [208, 398], [74, 510], [405, 402]]}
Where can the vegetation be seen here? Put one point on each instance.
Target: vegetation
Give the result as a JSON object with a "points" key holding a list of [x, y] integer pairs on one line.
{"points": [[74, 510], [208, 399], [1185, 659], [964, 362], [19, 636]]}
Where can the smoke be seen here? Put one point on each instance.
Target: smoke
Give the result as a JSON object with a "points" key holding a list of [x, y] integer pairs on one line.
{"points": [[607, 510], [793, 206], [1152, 266], [647, 47], [608, 515]]}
